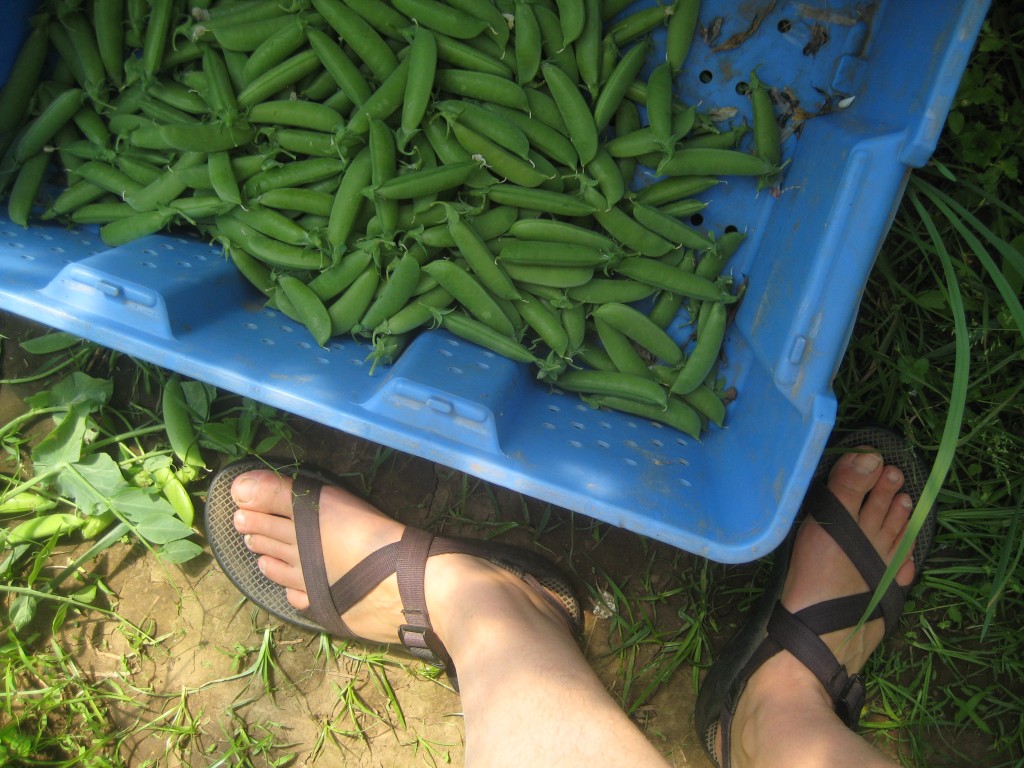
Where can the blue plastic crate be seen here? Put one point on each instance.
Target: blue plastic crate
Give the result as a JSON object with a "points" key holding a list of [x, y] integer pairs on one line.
{"points": [[886, 76]]}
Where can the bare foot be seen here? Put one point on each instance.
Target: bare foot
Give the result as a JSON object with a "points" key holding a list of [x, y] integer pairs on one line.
{"points": [[352, 528], [819, 571]]}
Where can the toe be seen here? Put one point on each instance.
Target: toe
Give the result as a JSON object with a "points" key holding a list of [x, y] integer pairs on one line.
{"points": [[263, 545], [896, 517], [281, 573], [875, 510], [263, 491], [853, 476], [280, 528]]}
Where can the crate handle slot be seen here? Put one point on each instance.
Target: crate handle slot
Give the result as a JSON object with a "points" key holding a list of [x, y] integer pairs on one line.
{"points": [[425, 408]]}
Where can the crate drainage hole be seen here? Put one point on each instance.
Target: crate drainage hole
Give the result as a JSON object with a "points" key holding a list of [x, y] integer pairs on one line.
{"points": [[548, 425], [603, 444], [575, 443], [784, 26], [630, 462], [706, 76], [454, 369]]}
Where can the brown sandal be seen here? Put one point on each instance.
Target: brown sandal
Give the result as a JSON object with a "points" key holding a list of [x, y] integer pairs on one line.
{"points": [[407, 558]]}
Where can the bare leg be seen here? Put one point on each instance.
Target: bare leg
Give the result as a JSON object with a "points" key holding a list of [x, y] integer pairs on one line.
{"points": [[784, 717], [528, 694]]}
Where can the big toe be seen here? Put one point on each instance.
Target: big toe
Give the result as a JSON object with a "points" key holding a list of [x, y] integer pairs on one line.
{"points": [[263, 490], [854, 475]]}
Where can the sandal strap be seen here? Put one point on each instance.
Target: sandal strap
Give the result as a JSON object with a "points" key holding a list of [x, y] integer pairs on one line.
{"points": [[306, 515], [406, 558], [840, 525], [417, 635], [845, 690]]}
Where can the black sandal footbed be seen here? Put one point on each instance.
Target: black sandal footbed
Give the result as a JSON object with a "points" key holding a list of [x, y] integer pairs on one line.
{"points": [[719, 693], [407, 558]]}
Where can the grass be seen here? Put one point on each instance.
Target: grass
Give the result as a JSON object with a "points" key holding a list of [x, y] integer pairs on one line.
{"points": [[938, 350]]}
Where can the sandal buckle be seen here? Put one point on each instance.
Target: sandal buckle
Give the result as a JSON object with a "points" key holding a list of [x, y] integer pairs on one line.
{"points": [[850, 701], [421, 642]]}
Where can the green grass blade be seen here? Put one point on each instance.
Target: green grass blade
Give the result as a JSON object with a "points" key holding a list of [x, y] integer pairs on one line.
{"points": [[954, 417]]}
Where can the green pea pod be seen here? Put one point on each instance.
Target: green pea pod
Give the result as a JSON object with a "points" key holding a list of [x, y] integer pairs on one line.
{"points": [[672, 279], [442, 17], [603, 290], [545, 322], [670, 228], [275, 49], [131, 228], [23, 79], [428, 181], [471, 294], [715, 162], [350, 307], [620, 349], [158, 34], [481, 261], [636, 388], [500, 161], [474, 331], [45, 126], [176, 495], [705, 352], [45, 527], [26, 186], [383, 103], [178, 423], [363, 39], [681, 28], [614, 89], [398, 288], [676, 413], [575, 112], [340, 66], [96, 523], [287, 73], [420, 83], [484, 87], [349, 200], [642, 330], [26, 501], [308, 307]]}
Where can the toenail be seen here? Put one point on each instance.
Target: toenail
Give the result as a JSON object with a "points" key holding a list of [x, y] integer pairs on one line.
{"points": [[906, 502], [866, 463], [262, 566], [248, 540], [893, 475], [244, 489], [239, 519]]}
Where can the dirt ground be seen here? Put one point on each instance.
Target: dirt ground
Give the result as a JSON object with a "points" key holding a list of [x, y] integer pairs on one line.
{"points": [[198, 696]]}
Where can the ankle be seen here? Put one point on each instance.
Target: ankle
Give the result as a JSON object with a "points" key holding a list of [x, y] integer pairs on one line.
{"points": [[778, 698], [470, 599]]}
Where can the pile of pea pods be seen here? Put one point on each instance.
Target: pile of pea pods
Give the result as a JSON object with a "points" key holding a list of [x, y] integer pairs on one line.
{"points": [[375, 168]]}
